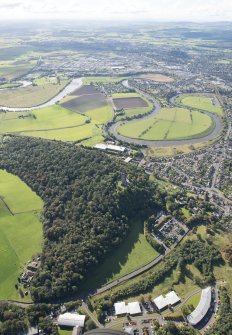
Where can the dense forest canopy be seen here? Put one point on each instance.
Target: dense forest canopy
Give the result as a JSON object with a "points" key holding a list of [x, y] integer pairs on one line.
{"points": [[87, 207]]}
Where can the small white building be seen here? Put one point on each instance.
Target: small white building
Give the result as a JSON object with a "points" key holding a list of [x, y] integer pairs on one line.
{"points": [[71, 320], [164, 301], [202, 308]]}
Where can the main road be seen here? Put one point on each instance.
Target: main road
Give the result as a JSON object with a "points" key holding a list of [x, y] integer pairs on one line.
{"points": [[212, 134]]}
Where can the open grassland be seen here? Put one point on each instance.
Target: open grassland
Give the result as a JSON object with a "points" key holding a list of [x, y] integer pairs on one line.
{"points": [[133, 253], [157, 77], [45, 80], [42, 119], [194, 300], [69, 134], [201, 102], [31, 95], [169, 124], [20, 231]]}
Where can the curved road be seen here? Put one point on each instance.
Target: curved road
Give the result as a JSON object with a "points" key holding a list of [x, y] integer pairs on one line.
{"points": [[72, 86], [218, 126]]}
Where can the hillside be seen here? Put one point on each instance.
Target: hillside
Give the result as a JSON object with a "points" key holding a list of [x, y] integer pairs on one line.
{"points": [[86, 207]]}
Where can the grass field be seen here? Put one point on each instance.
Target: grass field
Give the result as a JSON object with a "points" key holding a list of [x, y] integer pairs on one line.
{"points": [[31, 95], [201, 102], [41, 119], [20, 231], [171, 123], [134, 252], [10, 71]]}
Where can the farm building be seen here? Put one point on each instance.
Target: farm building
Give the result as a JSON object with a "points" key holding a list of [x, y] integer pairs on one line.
{"points": [[133, 308], [164, 301], [110, 147], [202, 308], [71, 320]]}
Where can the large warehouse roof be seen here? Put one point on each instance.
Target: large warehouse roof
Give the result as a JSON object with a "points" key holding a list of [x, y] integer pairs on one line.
{"points": [[71, 320], [202, 308], [132, 308], [120, 308], [113, 147], [169, 299]]}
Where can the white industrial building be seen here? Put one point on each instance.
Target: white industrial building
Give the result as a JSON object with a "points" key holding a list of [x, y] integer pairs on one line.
{"points": [[202, 308], [111, 147], [71, 320], [133, 308], [164, 301]]}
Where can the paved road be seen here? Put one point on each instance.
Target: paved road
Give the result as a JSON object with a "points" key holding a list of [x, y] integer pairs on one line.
{"points": [[213, 133], [72, 86], [91, 315], [129, 275]]}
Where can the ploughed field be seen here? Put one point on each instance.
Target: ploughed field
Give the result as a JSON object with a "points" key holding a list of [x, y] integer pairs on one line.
{"points": [[20, 231], [131, 102], [131, 105], [169, 124], [79, 117]]}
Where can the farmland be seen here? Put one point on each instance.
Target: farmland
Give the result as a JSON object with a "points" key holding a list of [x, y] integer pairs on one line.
{"points": [[82, 119], [170, 123], [201, 102], [20, 230], [132, 104], [157, 77], [31, 95]]}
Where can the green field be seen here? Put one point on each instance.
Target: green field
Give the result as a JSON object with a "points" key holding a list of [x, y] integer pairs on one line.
{"points": [[57, 123], [40, 119], [20, 231], [201, 102], [31, 95], [134, 252], [194, 300], [169, 124]]}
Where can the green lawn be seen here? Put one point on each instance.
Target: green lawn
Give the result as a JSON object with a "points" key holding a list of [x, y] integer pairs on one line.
{"points": [[170, 123], [20, 234], [134, 252], [194, 300], [201, 102]]}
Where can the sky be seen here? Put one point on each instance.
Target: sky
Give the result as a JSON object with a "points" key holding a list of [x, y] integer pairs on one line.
{"points": [[105, 10]]}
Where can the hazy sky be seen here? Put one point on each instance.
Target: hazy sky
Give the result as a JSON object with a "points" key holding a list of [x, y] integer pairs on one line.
{"points": [[164, 10]]}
